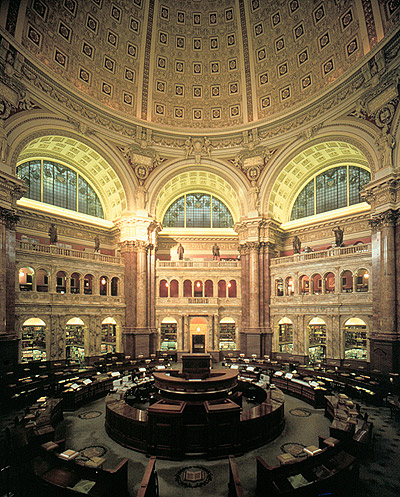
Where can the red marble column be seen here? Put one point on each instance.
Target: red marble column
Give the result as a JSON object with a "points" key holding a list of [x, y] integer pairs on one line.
{"points": [[8, 335], [254, 285], [268, 254], [129, 254], [384, 338]]}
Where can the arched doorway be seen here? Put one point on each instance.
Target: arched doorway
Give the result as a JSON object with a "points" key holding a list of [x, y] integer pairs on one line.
{"points": [[227, 334], [168, 336], [285, 336], [108, 336], [355, 339], [198, 335], [74, 340], [316, 340], [33, 340]]}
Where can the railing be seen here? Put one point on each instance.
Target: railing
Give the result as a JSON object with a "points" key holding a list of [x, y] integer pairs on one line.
{"points": [[199, 264], [323, 254], [67, 252]]}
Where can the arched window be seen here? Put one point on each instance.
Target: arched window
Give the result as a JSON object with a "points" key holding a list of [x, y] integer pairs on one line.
{"points": [[114, 286], [174, 289], [164, 285], [317, 284], [329, 283], [362, 279], [88, 284], [75, 283], [305, 285], [289, 286], [42, 281], [198, 210], [279, 287], [232, 291], [208, 288], [57, 184], [333, 189], [103, 285], [187, 288], [347, 281], [25, 278], [222, 289], [198, 288], [61, 278]]}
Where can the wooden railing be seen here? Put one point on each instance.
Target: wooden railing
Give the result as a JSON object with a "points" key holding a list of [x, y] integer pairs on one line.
{"points": [[364, 249], [54, 250], [234, 485], [149, 485]]}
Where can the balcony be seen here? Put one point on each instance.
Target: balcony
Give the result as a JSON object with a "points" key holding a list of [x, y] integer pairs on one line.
{"points": [[363, 250], [198, 264], [47, 298], [55, 251], [197, 301]]}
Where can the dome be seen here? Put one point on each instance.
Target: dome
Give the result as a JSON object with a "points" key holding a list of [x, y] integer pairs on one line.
{"points": [[199, 64]]}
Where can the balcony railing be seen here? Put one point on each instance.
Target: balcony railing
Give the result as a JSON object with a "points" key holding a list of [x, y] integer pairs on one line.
{"points": [[363, 249], [67, 252], [198, 264]]}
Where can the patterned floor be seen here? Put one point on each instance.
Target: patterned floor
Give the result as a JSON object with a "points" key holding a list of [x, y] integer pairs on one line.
{"points": [[194, 478]]}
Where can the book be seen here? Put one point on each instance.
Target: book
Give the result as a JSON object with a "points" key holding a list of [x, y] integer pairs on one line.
{"points": [[298, 481]]}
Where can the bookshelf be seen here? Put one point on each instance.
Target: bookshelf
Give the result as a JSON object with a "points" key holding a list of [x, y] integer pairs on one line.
{"points": [[74, 341], [108, 338], [168, 336], [285, 338], [33, 343], [355, 342], [227, 336]]}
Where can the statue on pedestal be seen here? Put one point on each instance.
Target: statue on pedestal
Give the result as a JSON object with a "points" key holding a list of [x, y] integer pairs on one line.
{"points": [[53, 234], [180, 251], [338, 236], [215, 251], [296, 245]]}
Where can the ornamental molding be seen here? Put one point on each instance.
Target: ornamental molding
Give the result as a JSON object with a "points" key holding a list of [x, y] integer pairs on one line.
{"points": [[384, 220], [22, 74]]}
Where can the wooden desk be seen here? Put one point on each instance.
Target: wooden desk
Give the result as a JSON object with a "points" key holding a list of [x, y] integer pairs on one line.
{"points": [[234, 486], [332, 470]]}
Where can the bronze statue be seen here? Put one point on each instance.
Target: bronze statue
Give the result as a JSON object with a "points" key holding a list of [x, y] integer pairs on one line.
{"points": [[97, 243], [338, 236], [53, 234], [180, 251], [215, 251], [296, 245]]}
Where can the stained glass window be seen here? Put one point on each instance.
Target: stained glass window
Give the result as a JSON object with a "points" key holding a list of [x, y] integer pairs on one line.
{"points": [[333, 189], [56, 184], [198, 210]]}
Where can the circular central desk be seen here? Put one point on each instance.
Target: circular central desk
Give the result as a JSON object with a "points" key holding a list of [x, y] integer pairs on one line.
{"points": [[196, 417]]}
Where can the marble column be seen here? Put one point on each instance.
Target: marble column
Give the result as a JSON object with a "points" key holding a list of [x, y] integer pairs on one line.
{"points": [[384, 339], [129, 254], [8, 335], [268, 254]]}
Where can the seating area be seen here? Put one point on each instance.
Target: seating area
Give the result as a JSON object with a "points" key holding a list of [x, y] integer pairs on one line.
{"points": [[350, 430]]}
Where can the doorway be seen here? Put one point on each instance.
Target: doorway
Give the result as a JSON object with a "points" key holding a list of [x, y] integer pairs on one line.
{"points": [[198, 335]]}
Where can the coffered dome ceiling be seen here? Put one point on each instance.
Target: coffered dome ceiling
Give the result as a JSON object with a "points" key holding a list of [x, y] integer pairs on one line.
{"points": [[197, 63]]}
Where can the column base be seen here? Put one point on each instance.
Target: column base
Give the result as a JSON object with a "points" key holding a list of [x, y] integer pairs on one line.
{"points": [[385, 355], [251, 342]]}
